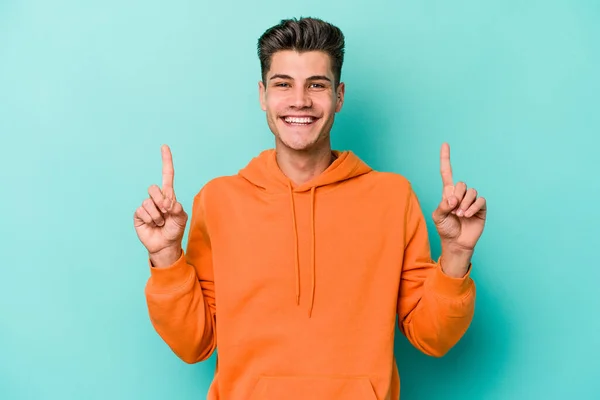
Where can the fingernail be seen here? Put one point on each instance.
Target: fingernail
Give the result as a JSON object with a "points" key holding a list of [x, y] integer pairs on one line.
{"points": [[460, 213]]}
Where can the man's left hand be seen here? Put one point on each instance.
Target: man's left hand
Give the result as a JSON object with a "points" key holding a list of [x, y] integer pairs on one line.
{"points": [[459, 219]]}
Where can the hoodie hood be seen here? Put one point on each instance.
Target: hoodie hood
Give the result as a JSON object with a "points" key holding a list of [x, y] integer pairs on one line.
{"points": [[263, 172]]}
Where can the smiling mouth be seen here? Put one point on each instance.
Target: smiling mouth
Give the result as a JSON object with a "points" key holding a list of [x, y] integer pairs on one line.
{"points": [[299, 121]]}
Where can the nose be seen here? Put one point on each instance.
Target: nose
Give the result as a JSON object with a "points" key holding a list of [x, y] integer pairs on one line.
{"points": [[301, 99]]}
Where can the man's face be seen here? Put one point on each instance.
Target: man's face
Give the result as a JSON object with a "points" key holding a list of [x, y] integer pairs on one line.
{"points": [[300, 99]]}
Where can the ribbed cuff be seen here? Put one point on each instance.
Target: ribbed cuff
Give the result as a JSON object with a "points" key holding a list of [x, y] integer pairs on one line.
{"points": [[448, 286], [167, 279]]}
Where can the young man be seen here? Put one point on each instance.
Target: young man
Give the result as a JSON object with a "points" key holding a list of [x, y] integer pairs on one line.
{"points": [[298, 266]]}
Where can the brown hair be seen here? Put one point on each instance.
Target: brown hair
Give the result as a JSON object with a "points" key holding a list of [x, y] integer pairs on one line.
{"points": [[304, 34]]}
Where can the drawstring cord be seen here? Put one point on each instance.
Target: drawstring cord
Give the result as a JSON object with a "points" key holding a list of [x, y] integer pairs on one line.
{"points": [[296, 251]]}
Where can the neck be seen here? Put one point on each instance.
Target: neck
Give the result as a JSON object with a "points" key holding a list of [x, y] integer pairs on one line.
{"points": [[302, 166]]}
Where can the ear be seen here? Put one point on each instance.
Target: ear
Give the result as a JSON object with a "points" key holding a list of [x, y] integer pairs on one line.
{"points": [[340, 92], [262, 93]]}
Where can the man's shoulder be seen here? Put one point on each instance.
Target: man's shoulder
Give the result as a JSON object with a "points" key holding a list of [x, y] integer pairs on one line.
{"points": [[389, 181], [219, 185]]}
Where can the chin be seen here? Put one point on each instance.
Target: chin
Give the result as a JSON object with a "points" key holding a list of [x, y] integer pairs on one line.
{"points": [[297, 139], [297, 145]]}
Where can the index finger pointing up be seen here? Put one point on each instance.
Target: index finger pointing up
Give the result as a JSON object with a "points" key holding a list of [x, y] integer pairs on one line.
{"points": [[168, 172], [445, 167]]}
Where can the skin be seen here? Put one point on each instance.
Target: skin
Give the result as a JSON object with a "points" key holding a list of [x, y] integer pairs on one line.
{"points": [[459, 219], [160, 220], [303, 85]]}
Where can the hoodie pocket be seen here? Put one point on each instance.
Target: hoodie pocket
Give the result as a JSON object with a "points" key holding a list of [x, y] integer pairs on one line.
{"points": [[313, 388]]}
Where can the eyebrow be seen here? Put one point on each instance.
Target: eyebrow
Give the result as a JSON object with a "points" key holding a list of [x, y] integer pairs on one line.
{"points": [[310, 78]]}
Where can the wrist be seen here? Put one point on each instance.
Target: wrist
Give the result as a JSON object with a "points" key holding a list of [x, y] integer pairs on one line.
{"points": [[165, 257], [455, 261]]}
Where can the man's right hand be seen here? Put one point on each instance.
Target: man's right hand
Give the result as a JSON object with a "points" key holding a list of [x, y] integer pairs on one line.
{"points": [[160, 221]]}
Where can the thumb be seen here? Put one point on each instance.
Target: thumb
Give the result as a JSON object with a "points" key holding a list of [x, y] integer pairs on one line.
{"points": [[446, 206], [177, 213]]}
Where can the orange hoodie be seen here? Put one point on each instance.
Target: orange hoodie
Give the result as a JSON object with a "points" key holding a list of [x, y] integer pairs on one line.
{"points": [[299, 286]]}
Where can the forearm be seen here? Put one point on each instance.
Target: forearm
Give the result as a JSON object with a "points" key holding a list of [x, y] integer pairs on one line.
{"points": [[442, 314], [180, 311]]}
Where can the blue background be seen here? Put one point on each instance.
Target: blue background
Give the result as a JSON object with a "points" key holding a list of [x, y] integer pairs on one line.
{"points": [[90, 90]]}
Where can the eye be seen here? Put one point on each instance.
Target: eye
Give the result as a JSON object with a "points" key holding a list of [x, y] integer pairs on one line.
{"points": [[317, 85], [282, 84]]}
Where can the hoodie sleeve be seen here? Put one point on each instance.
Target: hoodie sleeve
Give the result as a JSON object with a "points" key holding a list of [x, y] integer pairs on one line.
{"points": [[434, 309], [181, 297]]}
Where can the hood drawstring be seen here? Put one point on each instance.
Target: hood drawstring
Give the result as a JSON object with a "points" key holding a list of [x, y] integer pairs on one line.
{"points": [[313, 262], [297, 257], [296, 251]]}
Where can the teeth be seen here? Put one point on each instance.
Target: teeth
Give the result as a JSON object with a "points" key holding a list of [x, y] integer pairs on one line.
{"points": [[295, 120]]}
